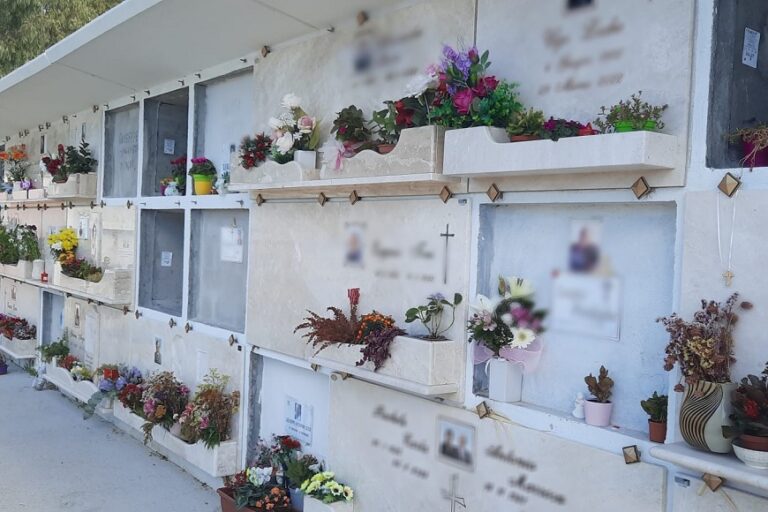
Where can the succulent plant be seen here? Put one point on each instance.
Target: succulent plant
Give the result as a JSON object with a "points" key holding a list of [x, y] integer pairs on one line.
{"points": [[600, 387], [655, 407]]}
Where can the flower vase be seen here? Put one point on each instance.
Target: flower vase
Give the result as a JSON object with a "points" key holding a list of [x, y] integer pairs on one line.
{"points": [[38, 267], [598, 414], [306, 159], [314, 505], [705, 410], [297, 499], [505, 380]]}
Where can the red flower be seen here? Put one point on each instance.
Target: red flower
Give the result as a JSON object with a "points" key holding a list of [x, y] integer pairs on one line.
{"points": [[404, 115], [751, 409], [290, 443], [354, 296], [485, 85], [462, 100]]}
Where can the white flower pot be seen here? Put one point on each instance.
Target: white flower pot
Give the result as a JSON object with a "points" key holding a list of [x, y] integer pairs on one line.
{"points": [[505, 380], [38, 267], [306, 159], [313, 505]]}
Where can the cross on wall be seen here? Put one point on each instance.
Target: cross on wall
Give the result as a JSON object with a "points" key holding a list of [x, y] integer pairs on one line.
{"points": [[447, 235]]}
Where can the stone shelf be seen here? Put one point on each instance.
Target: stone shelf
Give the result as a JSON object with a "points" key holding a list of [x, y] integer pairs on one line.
{"points": [[483, 152], [269, 173], [21, 270], [81, 390], [217, 462], [81, 186], [423, 367], [726, 466], [375, 186], [18, 349], [87, 294], [116, 286]]}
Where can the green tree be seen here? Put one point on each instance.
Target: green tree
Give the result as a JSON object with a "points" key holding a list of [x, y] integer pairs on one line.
{"points": [[29, 27]]}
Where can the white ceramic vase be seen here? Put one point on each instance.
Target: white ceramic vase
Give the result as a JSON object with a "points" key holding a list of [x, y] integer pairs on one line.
{"points": [[505, 380], [306, 159]]}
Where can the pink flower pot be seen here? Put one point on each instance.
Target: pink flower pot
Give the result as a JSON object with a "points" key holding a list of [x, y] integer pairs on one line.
{"points": [[597, 414], [759, 159]]}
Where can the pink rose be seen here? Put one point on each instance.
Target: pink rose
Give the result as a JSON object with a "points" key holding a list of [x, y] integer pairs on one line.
{"points": [[462, 100], [485, 85], [305, 124]]}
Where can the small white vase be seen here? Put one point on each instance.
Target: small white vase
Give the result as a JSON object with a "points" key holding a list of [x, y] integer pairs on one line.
{"points": [[306, 159], [38, 267], [505, 380], [313, 505]]}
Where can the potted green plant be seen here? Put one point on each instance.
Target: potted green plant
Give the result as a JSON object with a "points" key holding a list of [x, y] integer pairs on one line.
{"points": [[203, 173], [526, 125], [754, 142], [386, 129], [631, 115], [597, 410], [556, 129], [656, 408], [750, 412], [431, 315], [351, 128]]}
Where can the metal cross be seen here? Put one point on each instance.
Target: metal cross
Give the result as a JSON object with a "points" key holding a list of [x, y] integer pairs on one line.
{"points": [[446, 235], [728, 276], [452, 496]]}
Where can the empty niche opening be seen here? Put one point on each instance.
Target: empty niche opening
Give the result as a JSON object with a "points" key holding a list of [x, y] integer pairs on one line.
{"points": [[52, 328], [161, 278], [121, 151], [218, 268], [166, 120], [224, 112]]}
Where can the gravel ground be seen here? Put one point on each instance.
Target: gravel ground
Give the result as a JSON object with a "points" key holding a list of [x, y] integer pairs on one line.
{"points": [[53, 460]]}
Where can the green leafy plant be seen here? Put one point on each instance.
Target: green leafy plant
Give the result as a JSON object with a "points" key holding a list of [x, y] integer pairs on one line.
{"points": [[385, 125], [656, 407], [9, 251], [58, 348], [431, 314], [202, 167], [555, 129], [301, 469], [600, 387], [528, 122], [78, 160], [351, 126], [27, 242], [635, 112], [750, 406]]}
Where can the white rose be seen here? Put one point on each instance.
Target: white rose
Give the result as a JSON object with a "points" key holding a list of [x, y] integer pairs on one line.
{"points": [[276, 123], [290, 101], [284, 143]]}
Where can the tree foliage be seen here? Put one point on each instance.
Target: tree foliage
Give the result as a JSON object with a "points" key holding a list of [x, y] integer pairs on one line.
{"points": [[29, 27]]}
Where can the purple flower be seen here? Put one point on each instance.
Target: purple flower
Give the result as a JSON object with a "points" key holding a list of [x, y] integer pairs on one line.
{"points": [[106, 385], [437, 297], [120, 383]]}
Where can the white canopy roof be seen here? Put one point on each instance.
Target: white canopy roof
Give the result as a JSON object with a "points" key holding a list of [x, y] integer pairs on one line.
{"points": [[141, 43]]}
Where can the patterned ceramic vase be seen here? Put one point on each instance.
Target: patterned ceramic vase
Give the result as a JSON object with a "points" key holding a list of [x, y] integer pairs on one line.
{"points": [[704, 411]]}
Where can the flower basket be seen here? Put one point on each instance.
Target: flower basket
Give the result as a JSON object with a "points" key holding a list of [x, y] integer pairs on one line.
{"points": [[430, 366], [77, 185], [314, 505], [418, 151], [21, 270]]}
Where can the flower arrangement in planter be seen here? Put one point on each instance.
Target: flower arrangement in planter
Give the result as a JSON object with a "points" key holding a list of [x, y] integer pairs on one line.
{"points": [[208, 416], [631, 115], [352, 129], [131, 396], [750, 418], [597, 410], [506, 336], [754, 142], [176, 184], [203, 174], [398, 115], [16, 163], [58, 349], [53, 164], [322, 492], [656, 408], [703, 351], [373, 332], [77, 160], [13, 327], [431, 315], [114, 379], [163, 399], [297, 471], [62, 242], [465, 95], [526, 125], [556, 129], [27, 242], [250, 490], [80, 268], [295, 135], [9, 253], [254, 150]]}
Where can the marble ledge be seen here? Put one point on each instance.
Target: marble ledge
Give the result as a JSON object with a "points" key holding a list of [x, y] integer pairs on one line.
{"points": [[67, 291], [726, 466]]}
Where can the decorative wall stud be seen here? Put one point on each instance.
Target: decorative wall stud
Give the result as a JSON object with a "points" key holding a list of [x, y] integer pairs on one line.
{"points": [[240, 202], [7, 138], [494, 193], [133, 97], [102, 203], [713, 482], [243, 60], [24, 206], [631, 454], [40, 127], [137, 314], [362, 17], [18, 207], [21, 134], [354, 197], [71, 205], [39, 207], [322, 199], [45, 206], [64, 119], [729, 184], [232, 340], [128, 204], [187, 327], [93, 205], [95, 108], [265, 50], [47, 124], [146, 91], [314, 367], [198, 75], [181, 82], [63, 206], [641, 188], [171, 323], [259, 200], [126, 310], [483, 410], [26, 132], [446, 194], [331, 29]]}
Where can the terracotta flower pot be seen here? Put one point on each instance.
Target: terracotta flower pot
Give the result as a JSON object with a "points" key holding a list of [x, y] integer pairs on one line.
{"points": [[228, 501], [657, 431], [383, 149], [523, 138], [757, 443], [598, 414]]}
